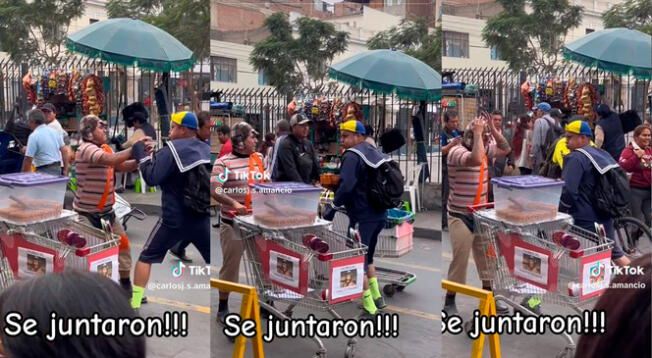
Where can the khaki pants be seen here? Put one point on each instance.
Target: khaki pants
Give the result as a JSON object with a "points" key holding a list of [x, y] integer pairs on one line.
{"points": [[232, 250], [124, 255], [462, 241]]}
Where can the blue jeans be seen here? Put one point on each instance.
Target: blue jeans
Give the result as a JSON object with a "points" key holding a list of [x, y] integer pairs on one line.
{"points": [[617, 251]]}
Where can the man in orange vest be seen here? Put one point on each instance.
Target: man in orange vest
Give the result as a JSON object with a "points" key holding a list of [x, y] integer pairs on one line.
{"points": [[95, 165], [468, 176], [231, 181]]}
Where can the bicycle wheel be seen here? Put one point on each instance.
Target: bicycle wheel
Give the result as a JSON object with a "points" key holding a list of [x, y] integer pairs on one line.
{"points": [[629, 231]]}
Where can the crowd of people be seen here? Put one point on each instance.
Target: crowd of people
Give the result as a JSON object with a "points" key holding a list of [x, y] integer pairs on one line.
{"points": [[549, 143]]}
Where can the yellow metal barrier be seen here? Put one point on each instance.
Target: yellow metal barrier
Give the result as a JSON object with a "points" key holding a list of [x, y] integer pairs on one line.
{"points": [[248, 310], [487, 307]]}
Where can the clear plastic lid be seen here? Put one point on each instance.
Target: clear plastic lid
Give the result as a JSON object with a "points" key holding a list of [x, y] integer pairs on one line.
{"points": [[526, 182], [31, 179]]}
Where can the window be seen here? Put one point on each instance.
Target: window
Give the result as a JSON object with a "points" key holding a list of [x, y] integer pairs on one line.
{"points": [[389, 2], [262, 79], [92, 21], [224, 69], [588, 31], [495, 54], [456, 44], [319, 5]]}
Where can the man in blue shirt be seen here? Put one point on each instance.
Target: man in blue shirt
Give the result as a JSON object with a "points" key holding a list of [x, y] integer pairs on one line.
{"points": [[45, 147], [450, 137], [582, 168], [352, 195]]}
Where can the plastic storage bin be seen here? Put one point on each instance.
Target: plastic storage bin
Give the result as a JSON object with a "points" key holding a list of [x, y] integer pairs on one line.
{"points": [[285, 204], [31, 197], [526, 199]]}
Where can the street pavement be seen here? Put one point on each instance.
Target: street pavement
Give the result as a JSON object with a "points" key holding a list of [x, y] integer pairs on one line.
{"points": [[418, 309], [417, 306]]}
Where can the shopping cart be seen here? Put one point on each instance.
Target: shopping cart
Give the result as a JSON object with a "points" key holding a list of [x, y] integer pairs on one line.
{"points": [[533, 264], [41, 248], [283, 269], [6, 274], [394, 241]]}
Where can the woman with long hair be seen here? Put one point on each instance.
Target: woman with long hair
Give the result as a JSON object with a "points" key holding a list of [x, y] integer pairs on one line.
{"points": [[522, 144], [636, 158]]}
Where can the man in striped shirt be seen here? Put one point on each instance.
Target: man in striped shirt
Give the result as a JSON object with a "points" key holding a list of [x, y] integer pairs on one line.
{"points": [[230, 186], [468, 176], [95, 164]]}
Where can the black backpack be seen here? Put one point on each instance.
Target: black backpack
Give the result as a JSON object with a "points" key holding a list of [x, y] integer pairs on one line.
{"points": [[385, 186], [549, 169], [554, 132], [611, 193], [196, 190]]}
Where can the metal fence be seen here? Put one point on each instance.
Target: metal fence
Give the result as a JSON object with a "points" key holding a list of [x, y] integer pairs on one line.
{"points": [[499, 88], [122, 86], [264, 107]]}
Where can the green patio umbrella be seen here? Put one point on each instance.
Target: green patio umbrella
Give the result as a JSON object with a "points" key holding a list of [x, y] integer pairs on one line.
{"points": [[390, 72], [617, 50], [130, 42]]}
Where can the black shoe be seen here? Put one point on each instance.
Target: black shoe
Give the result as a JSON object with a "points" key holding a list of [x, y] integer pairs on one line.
{"points": [[451, 310], [143, 300], [181, 256]]}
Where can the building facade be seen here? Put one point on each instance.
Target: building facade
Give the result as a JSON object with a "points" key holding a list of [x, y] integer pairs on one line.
{"points": [[463, 21]]}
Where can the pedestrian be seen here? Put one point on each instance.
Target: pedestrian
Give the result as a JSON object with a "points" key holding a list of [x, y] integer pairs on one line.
{"points": [[72, 295], [282, 130], [182, 170], [297, 160], [50, 112], [609, 131], [369, 135], [95, 164], [45, 147], [224, 137], [637, 159], [582, 168], [204, 132], [522, 145], [135, 115], [231, 179], [498, 165], [351, 196], [541, 139], [267, 146], [204, 135], [627, 316], [450, 137], [468, 166]]}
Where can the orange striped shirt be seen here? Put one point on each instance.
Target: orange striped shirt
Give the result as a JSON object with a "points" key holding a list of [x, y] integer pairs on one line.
{"points": [[463, 180], [91, 179]]}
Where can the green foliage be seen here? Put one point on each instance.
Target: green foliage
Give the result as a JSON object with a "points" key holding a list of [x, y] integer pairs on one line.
{"points": [[35, 31], [413, 38], [531, 41], [297, 64], [187, 20], [632, 14]]}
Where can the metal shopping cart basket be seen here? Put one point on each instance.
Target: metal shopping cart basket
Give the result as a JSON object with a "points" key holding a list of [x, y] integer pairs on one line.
{"points": [[60, 244], [6, 274], [394, 241], [303, 266], [544, 263]]}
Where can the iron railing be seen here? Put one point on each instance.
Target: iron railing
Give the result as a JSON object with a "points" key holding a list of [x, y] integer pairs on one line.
{"points": [[123, 85], [499, 88], [263, 107]]}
